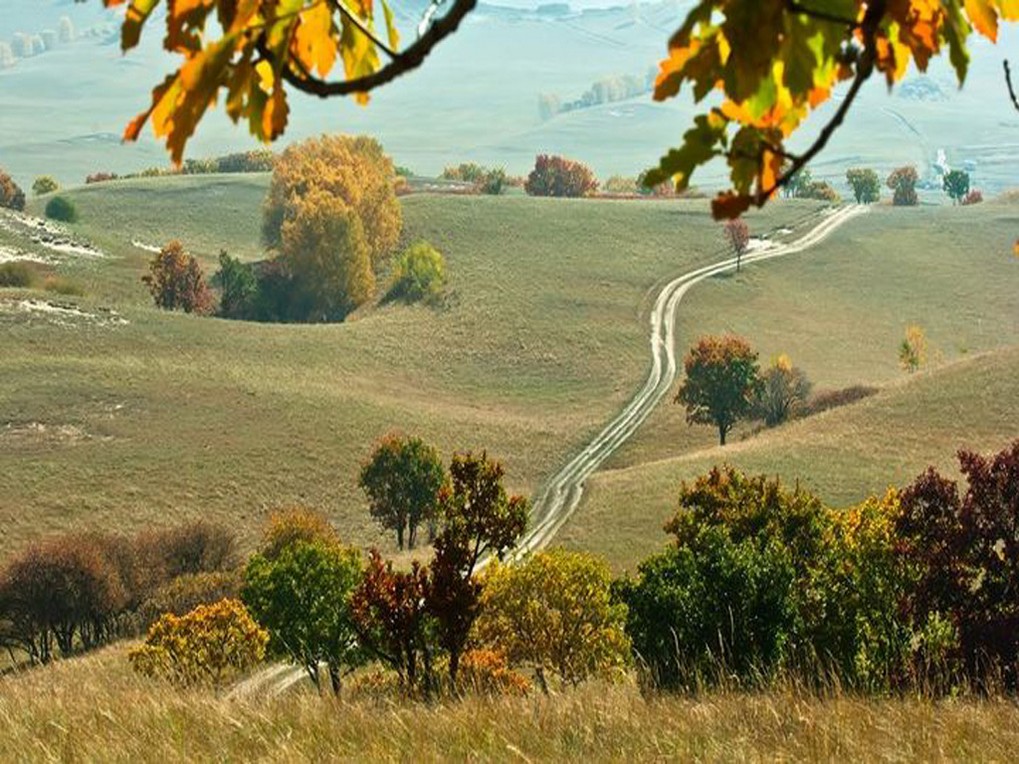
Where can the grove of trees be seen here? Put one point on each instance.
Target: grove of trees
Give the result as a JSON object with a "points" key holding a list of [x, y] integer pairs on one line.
{"points": [[903, 182], [176, 281], [865, 183], [559, 176]]}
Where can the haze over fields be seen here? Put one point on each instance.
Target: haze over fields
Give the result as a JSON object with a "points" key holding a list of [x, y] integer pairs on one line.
{"points": [[477, 99]]}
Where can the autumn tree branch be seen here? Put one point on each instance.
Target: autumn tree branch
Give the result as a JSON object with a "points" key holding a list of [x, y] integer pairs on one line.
{"points": [[401, 63], [1011, 90], [795, 7]]}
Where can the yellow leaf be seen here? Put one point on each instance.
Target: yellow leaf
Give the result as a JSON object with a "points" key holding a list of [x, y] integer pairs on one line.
{"points": [[984, 18], [314, 39]]}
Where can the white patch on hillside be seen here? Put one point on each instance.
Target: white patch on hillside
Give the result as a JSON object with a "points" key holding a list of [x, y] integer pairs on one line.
{"points": [[46, 234], [62, 314], [146, 247]]}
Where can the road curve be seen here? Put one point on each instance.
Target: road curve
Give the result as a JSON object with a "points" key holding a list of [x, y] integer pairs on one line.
{"points": [[563, 492]]}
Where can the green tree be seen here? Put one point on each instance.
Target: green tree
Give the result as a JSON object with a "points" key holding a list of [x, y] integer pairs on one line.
{"points": [[555, 613], [956, 185], [420, 274], [45, 184], [402, 479], [302, 597], [328, 257], [61, 208], [865, 183], [238, 287], [722, 380]]}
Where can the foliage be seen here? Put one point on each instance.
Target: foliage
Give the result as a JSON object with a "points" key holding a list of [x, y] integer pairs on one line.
{"points": [[965, 551], [11, 195], [100, 177], [484, 179], [62, 286], [831, 399], [336, 169], [737, 236], [798, 183], [956, 185], [865, 183], [973, 197], [61, 208], [479, 518], [402, 479], [238, 287], [295, 525], [302, 597], [554, 612], [184, 593], [209, 645], [485, 672], [392, 620], [783, 392], [775, 63], [195, 547], [325, 247], [721, 382], [903, 182], [419, 274], [45, 184], [261, 160], [913, 349], [821, 191], [17, 274], [559, 176], [176, 281], [619, 185]]}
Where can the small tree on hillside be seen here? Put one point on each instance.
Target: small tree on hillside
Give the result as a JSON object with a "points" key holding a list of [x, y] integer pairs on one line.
{"points": [[783, 389], [559, 176], [798, 183], [11, 195], [61, 208], [865, 183], [238, 287], [737, 236], [903, 182], [402, 481], [420, 274], [45, 184], [913, 349], [956, 185], [176, 281], [721, 382]]}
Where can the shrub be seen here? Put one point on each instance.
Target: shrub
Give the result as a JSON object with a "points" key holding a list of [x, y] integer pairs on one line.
{"points": [[63, 286], [555, 613], [295, 525], [956, 185], [258, 160], [238, 287], [195, 547], [820, 190], [402, 479], [303, 598], [619, 185], [184, 593], [558, 176], [831, 399], [903, 182], [209, 645], [783, 392], [11, 195], [484, 179], [420, 274], [485, 672], [973, 197], [45, 184], [913, 349], [100, 177], [17, 275], [176, 281], [61, 208]]}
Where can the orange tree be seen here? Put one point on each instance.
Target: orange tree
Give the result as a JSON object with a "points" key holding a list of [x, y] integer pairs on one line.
{"points": [[767, 64]]}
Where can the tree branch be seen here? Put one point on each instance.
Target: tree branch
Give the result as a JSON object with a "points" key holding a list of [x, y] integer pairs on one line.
{"points": [[794, 7], [356, 20], [1011, 90], [401, 63]]}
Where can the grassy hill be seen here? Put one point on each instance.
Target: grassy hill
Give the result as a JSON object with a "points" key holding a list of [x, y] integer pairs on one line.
{"points": [[169, 416]]}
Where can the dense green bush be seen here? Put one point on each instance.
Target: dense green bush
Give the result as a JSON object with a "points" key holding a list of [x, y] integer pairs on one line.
{"points": [[238, 288], [61, 208], [419, 274]]}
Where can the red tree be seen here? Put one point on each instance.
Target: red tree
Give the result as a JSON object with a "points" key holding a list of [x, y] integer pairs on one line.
{"points": [[177, 282], [558, 176], [737, 234]]}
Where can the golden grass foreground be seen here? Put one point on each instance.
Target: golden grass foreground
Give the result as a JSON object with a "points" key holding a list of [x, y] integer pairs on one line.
{"points": [[95, 709]]}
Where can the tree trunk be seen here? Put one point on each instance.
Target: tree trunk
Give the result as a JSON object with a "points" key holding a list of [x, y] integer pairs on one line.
{"points": [[334, 678], [722, 432], [399, 537]]}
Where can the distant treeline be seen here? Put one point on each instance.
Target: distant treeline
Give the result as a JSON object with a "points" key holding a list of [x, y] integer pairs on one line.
{"points": [[605, 90]]}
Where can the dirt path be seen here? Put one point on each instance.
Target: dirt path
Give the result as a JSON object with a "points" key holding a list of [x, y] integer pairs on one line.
{"points": [[565, 489]]}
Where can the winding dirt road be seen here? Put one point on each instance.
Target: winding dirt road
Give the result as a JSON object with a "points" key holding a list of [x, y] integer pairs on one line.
{"points": [[565, 489]]}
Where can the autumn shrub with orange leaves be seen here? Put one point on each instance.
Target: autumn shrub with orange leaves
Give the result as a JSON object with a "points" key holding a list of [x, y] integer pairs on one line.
{"points": [[176, 281]]}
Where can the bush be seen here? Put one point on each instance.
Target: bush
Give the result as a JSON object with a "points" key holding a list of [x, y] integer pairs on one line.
{"points": [[973, 197], [195, 547], [11, 195], [558, 176], [100, 177], [17, 275], [302, 597], [63, 286], [903, 182], [420, 274], [208, 646], [61, 208], [831, 399], [176, 281], [820, 190], [238, 287], [783, 392], [184, 593], [555, 613], [296, 525], [485, 672], [45, 184], [258, 160], [485, 180]]}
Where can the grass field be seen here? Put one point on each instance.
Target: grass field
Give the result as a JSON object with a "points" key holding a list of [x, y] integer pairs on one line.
{"points": [[94, 709], [172, 416]]}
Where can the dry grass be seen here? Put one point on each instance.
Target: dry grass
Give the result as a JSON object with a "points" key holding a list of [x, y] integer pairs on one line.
{"points": [[94, 709]]}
